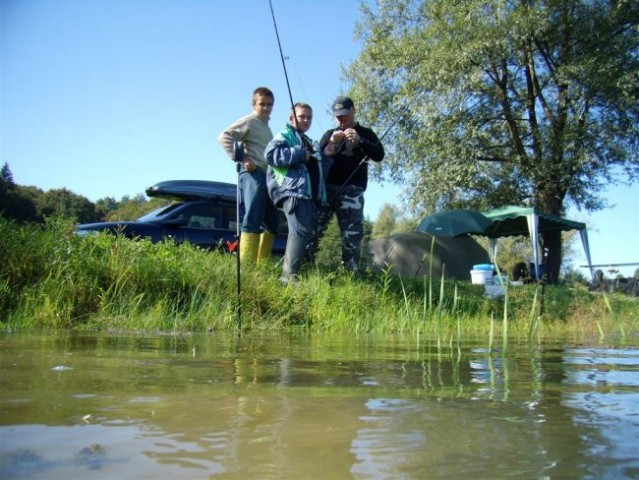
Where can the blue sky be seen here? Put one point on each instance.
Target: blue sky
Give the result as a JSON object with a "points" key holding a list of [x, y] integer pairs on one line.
{"points": [[107, 97]]}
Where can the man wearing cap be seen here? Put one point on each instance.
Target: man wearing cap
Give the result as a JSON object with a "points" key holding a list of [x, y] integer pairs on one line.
{"points": [[350, 145]]}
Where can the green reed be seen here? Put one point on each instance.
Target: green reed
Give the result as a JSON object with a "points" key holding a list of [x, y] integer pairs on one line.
{"points": [[491, 334], [614, 315], [50, 278], [533, 318]]}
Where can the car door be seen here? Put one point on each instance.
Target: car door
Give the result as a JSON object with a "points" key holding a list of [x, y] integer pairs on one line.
{"points": [[205, 224]]}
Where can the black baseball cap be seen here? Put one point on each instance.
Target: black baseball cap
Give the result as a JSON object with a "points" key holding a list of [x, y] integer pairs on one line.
{"points": [[341, 106]]}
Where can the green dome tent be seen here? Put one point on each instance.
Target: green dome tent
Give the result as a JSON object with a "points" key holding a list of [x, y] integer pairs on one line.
{"points": [[409, 254]]}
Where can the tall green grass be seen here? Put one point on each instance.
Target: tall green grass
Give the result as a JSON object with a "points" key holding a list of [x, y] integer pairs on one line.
{"points": [[51, 278]]}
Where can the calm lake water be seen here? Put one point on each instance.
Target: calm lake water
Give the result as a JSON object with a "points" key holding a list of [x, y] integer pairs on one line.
{"points": [[308, 406]]}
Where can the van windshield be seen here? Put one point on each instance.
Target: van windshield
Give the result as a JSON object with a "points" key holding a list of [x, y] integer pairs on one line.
{"points": [[158, 213]]}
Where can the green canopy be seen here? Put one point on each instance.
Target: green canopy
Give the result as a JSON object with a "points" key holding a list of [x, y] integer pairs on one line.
{"points": [[512, 221]]}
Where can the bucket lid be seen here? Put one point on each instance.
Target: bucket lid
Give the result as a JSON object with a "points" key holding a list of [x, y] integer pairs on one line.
{"points": [[483, 266]]}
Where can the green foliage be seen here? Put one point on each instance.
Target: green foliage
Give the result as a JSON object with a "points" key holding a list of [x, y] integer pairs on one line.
{"points": [[51, 278], [392, 219], [574, 277], [18, 203], [515, 101], [56, 279], [6, 175], [386, 221], [64, 203], [31, 204], [133, 208], [104, 206], [329, 253]]}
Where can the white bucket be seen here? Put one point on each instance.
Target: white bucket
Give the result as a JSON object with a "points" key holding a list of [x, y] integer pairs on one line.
{"points": [[481, 277]]}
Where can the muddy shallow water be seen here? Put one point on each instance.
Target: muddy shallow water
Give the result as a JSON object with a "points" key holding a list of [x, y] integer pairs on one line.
{"points": [[97, 406]]}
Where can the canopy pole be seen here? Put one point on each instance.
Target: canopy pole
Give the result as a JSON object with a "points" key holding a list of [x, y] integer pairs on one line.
{"points": [[584, 242], [533, 231]]}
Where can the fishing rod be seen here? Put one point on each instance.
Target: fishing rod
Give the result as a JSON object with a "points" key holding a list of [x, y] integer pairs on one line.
{"points": [[238, 158], [279, 45]]}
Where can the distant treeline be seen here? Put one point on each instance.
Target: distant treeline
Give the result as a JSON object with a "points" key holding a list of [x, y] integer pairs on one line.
{"points": [[32, 204]]}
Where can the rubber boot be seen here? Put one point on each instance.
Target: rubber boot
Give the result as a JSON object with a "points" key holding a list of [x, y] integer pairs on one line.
{"points": [[293, 259], [266, 246], [249, 245]]}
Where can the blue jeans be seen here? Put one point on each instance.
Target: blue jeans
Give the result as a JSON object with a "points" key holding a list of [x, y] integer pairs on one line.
{"points": [[259, 212]]}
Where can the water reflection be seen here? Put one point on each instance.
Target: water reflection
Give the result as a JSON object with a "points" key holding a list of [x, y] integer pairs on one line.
{"points": [[311, 406]]}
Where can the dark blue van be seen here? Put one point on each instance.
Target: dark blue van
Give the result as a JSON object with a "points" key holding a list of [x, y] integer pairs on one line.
{"points": [[201, 212]]}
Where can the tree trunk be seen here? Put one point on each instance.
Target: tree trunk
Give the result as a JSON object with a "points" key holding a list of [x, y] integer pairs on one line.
{"points": [[551, 255]]}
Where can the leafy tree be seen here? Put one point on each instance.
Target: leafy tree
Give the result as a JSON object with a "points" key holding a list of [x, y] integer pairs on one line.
{"points": [[368, 231], [507, 101], [386, 221], [6, 184], [407, 224], [18, 202], [104, 206], [65, 203], [392, 220], [133, 208]]}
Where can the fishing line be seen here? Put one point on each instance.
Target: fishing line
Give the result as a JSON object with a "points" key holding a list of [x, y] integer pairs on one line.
{"points": [[316, 121]]}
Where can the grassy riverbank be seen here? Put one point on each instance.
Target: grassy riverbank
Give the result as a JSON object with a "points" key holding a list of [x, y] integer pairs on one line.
{"points": [[50, 278]]}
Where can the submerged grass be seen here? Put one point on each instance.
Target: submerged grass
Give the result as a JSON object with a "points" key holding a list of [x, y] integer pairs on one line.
{"points": [[51, 278]]}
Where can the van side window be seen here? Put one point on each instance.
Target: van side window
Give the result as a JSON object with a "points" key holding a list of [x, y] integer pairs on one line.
{"points": [[204, 215]]}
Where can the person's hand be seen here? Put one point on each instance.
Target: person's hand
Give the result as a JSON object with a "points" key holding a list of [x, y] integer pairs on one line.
{"points": [[337, 137], [249, 165], [351, 135]]}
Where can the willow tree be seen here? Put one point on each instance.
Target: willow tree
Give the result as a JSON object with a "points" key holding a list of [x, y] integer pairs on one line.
{"points": [[501, 102]]}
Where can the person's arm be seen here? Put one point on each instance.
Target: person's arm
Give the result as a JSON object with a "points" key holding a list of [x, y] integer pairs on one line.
{"points": [[238, 131], [234, 132], [279, 153], [371, 145]]}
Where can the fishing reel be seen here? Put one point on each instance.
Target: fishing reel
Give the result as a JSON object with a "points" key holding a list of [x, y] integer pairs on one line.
{"points": [[238, 151]]}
